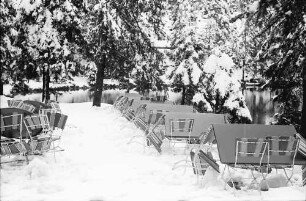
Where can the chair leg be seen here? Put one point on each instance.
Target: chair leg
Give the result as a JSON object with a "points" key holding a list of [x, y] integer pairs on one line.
{"points": [[289, 177]]}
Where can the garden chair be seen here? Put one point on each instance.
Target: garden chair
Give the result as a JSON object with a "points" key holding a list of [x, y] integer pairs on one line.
{"points": [[46, 110], [40, 142], [127, 110], [302, 145], [57, 123], [201, 161], [152, 135], [180, 130], [302, 152], [251, 154], [56, 106], [284, 149], [117, 101], [15, 103], [12, 147], [122, 104], [28, 107]]}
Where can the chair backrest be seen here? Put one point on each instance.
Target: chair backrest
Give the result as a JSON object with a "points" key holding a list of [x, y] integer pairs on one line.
{"points": [[181, 128], [57, 120], [145, 98], [12, 123], [15, 103], [37, 124], [140, 112], [28, 107], [45, 111], [117, 100], [55, 106], [283, 146], [155, 116], [141, 124], [254, 149], [302, 145]]}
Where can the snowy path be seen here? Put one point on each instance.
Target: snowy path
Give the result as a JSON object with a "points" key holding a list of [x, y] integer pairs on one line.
{"points": [[99, 165]]}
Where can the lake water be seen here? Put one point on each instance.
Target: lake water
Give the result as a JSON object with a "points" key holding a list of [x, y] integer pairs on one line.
{"points": [[259, 103]]}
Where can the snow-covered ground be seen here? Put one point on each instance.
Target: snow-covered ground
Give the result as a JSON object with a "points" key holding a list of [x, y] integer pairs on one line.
{"points": [[98, 164]]}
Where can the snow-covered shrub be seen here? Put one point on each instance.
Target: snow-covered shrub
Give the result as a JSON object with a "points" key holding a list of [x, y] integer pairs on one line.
{"points": [[220, 89]]}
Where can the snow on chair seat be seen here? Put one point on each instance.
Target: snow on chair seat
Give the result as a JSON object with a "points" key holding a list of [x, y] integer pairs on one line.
{"points": [[12, 146]]}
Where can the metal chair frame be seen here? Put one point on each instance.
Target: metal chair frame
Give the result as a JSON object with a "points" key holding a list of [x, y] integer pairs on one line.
{"points": [[292, 149], [9, 144], [261, 149], [44, 139]]}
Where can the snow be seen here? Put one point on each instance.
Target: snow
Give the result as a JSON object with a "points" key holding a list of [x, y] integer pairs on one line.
{"points": [[98, 164]]}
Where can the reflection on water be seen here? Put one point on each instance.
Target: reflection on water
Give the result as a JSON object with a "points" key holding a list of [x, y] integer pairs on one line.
{"points": [[259, 103], [80, 96]]}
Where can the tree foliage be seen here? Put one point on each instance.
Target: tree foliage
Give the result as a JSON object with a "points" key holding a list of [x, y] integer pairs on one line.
{"points": [[118, 31], [283, 50]]}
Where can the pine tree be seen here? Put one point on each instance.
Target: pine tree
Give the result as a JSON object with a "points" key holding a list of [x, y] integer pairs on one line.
{"points": [[283, 51], [116, 32], [50, 30]]}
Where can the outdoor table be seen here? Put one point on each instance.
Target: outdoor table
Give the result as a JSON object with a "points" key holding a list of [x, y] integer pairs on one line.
{"points": [[167, 108], [226, 135], [201, 124]]}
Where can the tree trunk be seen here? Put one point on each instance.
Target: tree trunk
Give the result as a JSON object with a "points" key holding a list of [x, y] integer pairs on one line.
{"points": [[183, 95], [99, 82], [47, 87], [1, 87], [44, 85], [303, 119]]}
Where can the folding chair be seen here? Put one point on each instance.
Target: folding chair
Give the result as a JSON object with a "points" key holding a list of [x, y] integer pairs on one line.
{"points": [[302, 151], [45, 111], [55, 106], [302, 144], [12, 146], [251, 154], [283, 147], [180, 130], [151, 136], [15, 103], [57, 123], [41, 141], [122, 104], [201, 161], [28, 107], [127, 110]]}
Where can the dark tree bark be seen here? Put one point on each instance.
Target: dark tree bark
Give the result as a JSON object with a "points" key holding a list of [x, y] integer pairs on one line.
{"points": [[48, 83], [303, 119], [44, 85], [183, 95], [99, 82]]}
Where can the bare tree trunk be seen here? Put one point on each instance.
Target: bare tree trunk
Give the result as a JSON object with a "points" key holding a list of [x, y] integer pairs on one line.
{"points": [[99, 82], [44, 85], [303, 119], [47, 87], [183, 95]]}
